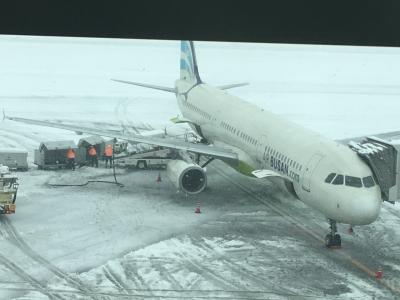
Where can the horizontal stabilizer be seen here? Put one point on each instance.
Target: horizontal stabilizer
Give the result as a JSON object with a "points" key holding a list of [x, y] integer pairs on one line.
{"points": [[231, 86], [265, 173], [150, 86]]}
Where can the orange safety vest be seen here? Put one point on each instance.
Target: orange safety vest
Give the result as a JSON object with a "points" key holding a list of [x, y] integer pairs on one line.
{"points": [[70, 153], [108, 151], [92, 151]]}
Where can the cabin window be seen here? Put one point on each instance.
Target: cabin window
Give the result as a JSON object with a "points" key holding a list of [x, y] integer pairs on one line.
{"points": [[338, 179], [353, 181], [329, 178], [368, 181]]}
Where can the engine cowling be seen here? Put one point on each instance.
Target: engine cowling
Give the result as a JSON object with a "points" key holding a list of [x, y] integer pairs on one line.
{"points": [[189, 178]]}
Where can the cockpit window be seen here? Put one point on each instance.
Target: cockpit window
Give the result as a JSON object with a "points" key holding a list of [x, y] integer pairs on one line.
{"points": [[338, 179], [330, 177], [368, 181], [353, 181]]}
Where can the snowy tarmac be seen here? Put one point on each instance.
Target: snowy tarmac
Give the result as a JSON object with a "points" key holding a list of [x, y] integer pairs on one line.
{"points": [[144, 241]]}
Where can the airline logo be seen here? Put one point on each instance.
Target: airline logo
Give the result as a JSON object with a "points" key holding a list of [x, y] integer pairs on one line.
{"points": [[283, 168], [186, 64], [279, 165]]}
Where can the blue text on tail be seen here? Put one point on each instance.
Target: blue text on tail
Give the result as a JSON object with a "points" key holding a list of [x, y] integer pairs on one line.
{"points": [[188, 64]]}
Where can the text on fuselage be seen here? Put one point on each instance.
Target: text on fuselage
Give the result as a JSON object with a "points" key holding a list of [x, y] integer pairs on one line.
{"points": [[283, 168]]}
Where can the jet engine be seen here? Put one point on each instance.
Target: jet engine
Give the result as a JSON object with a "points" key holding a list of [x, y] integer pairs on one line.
{"points": [[187, 177]]}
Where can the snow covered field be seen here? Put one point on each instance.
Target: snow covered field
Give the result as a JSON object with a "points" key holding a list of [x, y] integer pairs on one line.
{"points": [[143, 240]]}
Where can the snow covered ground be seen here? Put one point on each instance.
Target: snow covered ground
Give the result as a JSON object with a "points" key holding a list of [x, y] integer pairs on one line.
{"points": [[252, 241]]}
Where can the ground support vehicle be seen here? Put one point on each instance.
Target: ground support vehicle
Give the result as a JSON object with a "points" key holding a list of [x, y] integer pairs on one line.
{"points": [[8, 190]]}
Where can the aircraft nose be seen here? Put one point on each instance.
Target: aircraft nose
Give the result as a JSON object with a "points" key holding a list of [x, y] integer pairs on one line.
{"points": [[368, 210]]}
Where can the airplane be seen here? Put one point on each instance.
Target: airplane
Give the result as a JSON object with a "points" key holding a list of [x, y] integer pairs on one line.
{"points": [[324, 174]]}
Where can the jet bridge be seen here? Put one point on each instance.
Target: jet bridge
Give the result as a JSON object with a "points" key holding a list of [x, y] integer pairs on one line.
{"points": [[382, 156]]}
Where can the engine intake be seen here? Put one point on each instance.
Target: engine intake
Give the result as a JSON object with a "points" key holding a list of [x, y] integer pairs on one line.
{"points": [[189, 178]]}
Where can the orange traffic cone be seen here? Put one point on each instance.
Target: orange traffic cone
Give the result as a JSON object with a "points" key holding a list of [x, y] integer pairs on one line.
{"points": [[159, 178], [379, 273]]}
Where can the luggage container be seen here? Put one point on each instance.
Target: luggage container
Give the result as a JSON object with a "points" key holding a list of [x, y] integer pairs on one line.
{"points": [[52, 155], [84, 144], [15, 159]]}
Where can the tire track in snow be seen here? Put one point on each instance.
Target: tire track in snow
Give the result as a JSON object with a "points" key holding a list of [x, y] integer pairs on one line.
{"points": [[115, 279], [21, 138], [121, 115], [165, 274], [360, 266], [12, 142], [19, 242], [131, 272], [392, 211], [204, 271], [238, 269], [28, 278]]}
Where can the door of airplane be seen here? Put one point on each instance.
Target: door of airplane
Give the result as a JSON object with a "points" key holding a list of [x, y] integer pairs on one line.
{"points": [[262, 155], [311, 165]]}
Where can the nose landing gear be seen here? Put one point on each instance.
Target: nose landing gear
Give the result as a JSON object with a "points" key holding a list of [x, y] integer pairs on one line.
{"points": [[333, 239]]}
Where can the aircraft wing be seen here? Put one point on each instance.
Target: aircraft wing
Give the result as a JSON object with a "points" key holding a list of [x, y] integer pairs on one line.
{"points": [[389, 136], [172, 143]]}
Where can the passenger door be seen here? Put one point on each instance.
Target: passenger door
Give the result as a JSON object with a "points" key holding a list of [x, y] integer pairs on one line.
{"points": [[262, 151], [310, 167]]}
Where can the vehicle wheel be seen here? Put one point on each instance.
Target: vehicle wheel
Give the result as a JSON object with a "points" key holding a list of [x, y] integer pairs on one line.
{"points": [[328, 240], [141, 165], [337, 240]]}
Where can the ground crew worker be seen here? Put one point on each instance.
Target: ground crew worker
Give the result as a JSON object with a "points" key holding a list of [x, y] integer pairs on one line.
{"points": [[71, 158], [108, 153], [93, 156]]}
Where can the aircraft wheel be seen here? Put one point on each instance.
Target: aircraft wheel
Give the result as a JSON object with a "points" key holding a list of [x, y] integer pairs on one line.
{"points": [[328, 240], [333, 240], [337, 240]]}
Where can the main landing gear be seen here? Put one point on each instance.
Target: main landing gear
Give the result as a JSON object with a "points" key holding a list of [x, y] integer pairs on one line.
{"points": [[333, 239]]}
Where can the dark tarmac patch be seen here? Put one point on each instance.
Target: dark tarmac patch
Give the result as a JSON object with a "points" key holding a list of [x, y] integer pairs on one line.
{"points": [[336, 290]]}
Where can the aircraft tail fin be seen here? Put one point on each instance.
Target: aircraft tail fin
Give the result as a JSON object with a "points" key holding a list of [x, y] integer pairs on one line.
{"points": [[188, 63]]}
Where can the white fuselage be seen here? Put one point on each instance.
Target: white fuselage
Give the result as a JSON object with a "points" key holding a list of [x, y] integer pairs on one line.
{"points": [[267, 141]]}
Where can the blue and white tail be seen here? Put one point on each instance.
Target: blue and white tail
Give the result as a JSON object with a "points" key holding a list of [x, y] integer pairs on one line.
{"points": [[189, 72], [189, 69]]}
